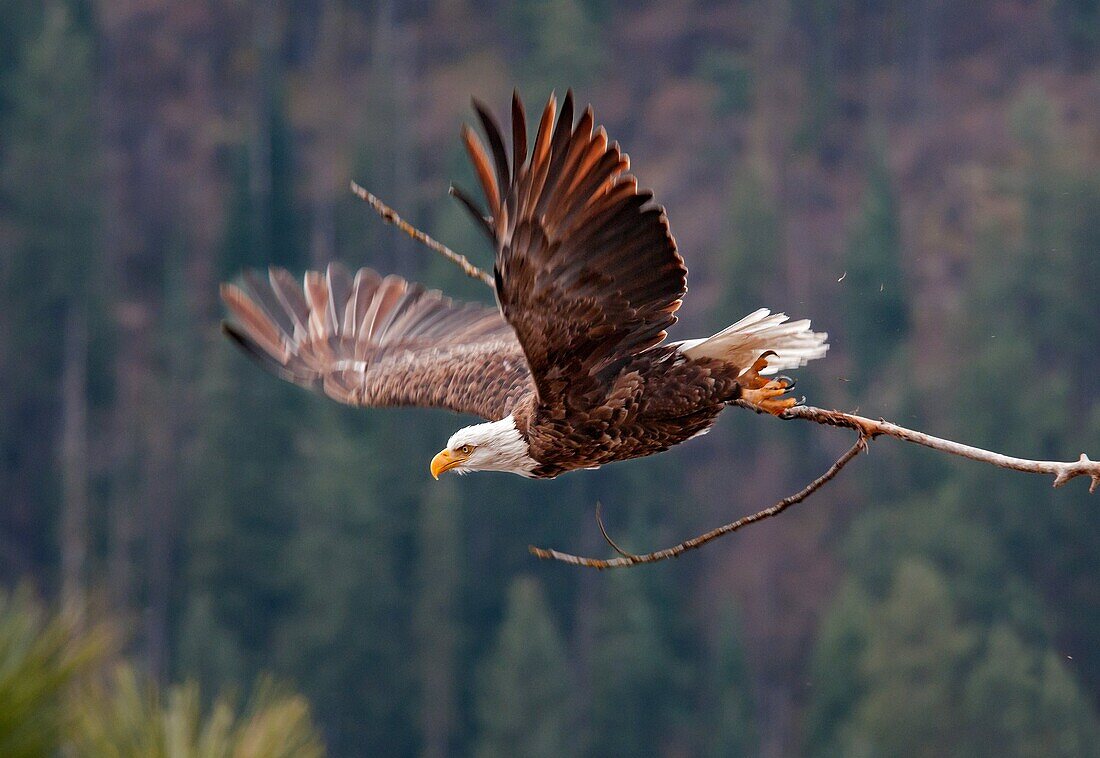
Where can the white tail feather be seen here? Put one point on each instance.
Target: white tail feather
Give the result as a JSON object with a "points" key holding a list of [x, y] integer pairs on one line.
{"points": [[740, 344]]}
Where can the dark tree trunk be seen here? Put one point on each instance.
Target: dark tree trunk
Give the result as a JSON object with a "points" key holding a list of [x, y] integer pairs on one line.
{"points": [[74, 459]]}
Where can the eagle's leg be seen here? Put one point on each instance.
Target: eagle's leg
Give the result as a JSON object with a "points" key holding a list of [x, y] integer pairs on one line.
{"points": [[766, 394]]}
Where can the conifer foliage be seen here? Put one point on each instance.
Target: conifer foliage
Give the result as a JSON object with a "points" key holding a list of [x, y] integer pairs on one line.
{"points": [[922, 177]]}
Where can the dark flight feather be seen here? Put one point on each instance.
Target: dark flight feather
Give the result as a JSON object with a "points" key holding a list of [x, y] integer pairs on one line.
{"points": [[589, 273]]}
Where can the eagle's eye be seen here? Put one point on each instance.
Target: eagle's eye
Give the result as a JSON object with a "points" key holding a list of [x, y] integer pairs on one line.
{"points": [[465, 449]]}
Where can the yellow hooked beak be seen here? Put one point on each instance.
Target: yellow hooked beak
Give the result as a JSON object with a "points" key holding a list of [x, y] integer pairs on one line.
{"points": [[445, 460]]}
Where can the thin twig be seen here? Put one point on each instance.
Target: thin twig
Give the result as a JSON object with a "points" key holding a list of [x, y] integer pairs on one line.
{"points": [[389, 215], [1062, 471], [607, 537], [629, 559]]}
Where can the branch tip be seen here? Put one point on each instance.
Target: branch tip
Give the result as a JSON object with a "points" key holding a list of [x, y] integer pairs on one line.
{"points": [[866, 430], [1062, 471]]}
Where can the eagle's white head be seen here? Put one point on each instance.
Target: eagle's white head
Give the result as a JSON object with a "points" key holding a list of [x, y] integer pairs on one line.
{"points": [[493, 446]]}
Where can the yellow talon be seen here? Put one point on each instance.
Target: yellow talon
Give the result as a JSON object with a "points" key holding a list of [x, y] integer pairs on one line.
{"points": [[769, 398], [765, 394]]}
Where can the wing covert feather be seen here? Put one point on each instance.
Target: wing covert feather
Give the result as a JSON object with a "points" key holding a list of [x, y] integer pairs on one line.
{"points": [[369, 341]]}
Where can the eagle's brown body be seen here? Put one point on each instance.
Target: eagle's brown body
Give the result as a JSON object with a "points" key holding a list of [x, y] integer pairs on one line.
{"points": [[657, 400], [587, 280]]}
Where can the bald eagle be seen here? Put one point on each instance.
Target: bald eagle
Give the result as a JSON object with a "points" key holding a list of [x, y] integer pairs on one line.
{"points": [[570, 369]]}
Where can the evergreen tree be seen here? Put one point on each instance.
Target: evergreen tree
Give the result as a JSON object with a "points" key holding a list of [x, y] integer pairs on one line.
{"points": [[820, 131], [48, 180], [524, 700], [1080, 22], [239, 523], [835, 681], [1023, 702], [22, 19], [560, 46], [49, 193], [732, 73], [873, 287], [757, 240], [435, 620], [42, 659], [634, 672], [346, 638], [242, 508], [279, 232], [729, 728], [907, 674], [915, 649], [1032, 299], [54, 700], [128, 717], [970, 552]]}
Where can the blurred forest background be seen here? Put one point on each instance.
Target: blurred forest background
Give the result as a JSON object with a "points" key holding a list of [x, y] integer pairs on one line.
{"points": [[921, 178]]}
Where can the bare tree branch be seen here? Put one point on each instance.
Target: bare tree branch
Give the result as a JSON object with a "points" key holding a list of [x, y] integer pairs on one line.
{"points": [[629, 559], [868, 429], [607, 537], [389, 215], [1062, 471]]}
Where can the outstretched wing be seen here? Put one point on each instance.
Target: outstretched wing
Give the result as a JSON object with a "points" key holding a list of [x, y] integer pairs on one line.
{"points": [[587, 272], [370, 341]]}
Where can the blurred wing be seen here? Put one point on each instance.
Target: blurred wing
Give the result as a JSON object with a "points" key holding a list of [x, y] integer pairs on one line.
{"points": [[377, 342], [587, 272]]}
